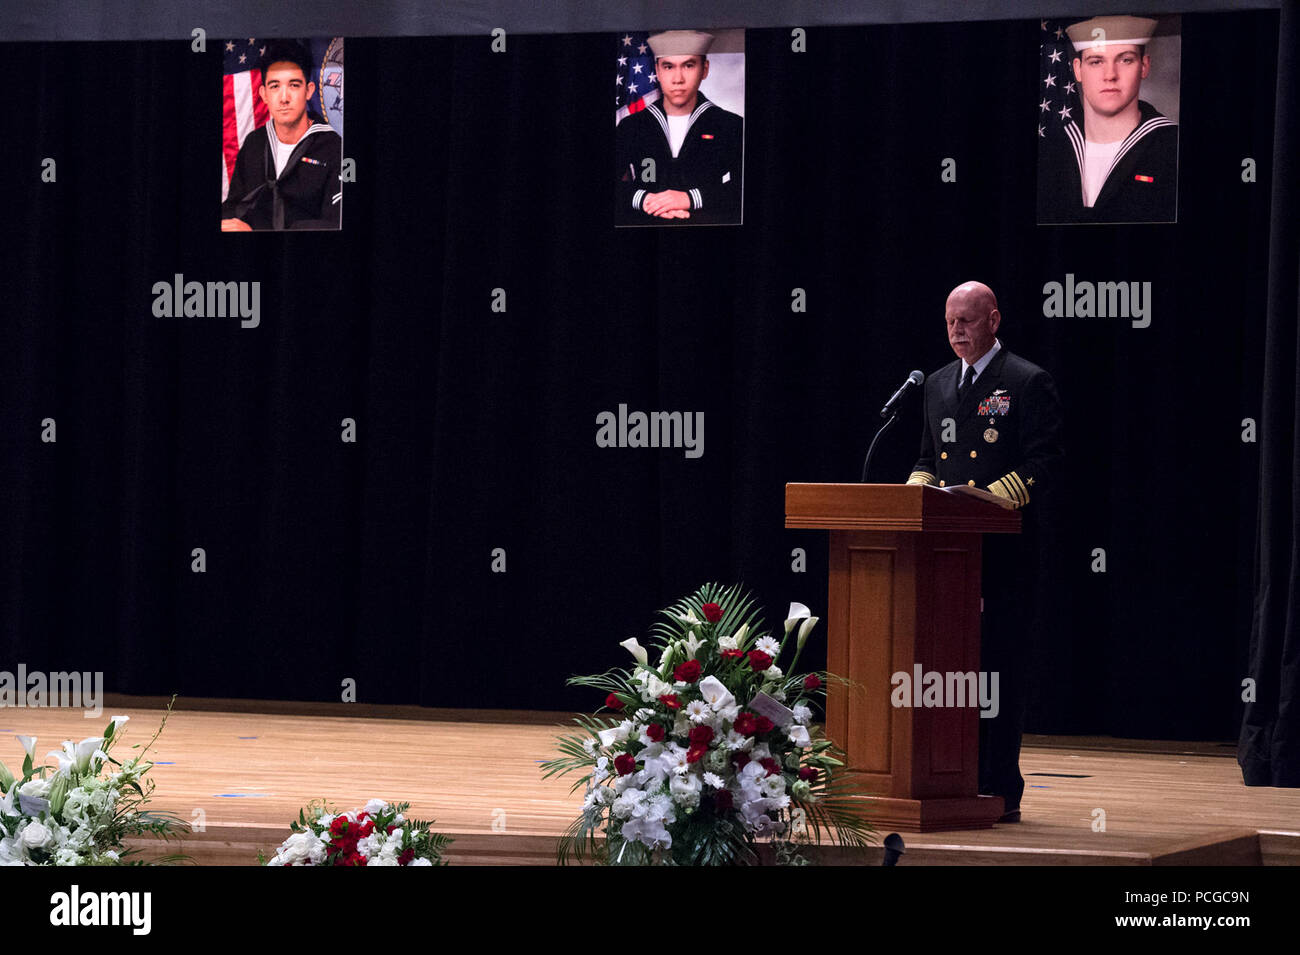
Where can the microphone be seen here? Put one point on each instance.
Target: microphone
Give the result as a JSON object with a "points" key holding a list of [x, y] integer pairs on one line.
{"points": [[888, 413], [915, 378]]}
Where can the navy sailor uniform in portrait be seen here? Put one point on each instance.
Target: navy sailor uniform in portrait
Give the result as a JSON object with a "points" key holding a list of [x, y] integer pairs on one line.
{"points": [[708, 167], [1007, 439], [306, 195], [1142, 185]]}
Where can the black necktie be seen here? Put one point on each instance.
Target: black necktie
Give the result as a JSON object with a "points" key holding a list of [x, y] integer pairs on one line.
{"points": [[965, 382]]}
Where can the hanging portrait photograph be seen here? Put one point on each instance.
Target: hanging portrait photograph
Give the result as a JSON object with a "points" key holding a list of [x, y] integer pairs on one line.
{"points": [[282, 134], [679, 127], [1108, 98]]}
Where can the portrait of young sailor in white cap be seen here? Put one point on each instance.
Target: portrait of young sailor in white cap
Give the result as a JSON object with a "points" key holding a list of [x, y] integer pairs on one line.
{"points": [[679, 158], [1115, 159]]}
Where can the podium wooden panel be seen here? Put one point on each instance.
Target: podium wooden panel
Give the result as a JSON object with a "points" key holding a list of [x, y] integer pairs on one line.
{"points": [[904, 591]]}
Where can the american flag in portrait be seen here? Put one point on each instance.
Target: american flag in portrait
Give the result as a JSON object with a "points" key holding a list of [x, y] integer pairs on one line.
{"points": [[242, 110], [635, 83], [1058, 93]]}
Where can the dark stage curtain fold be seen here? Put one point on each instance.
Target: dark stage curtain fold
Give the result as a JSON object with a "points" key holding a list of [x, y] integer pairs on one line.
{"points": [[1269, 749]]}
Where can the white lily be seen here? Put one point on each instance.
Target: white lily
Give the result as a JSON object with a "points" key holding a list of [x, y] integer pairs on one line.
{"points": [[692, 644], [797, 612], [633, 646], [77, 759], [690, 618]]}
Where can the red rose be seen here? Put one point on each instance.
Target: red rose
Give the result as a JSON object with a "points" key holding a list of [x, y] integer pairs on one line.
{"points": [[406, 856], [771, 765], [687, 672], [811, 682], [613, 702], [391, 827], [722, 799], [764, 725], [655, 732], [670, 700], [625, 763], [759, 660], [696, 752], [732, 654], [701, 735], [746, 724], [808, 774], [712, 612], [741, 760]]}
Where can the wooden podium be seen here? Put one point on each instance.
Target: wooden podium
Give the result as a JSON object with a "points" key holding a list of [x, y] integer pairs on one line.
{"points": [[904, 591]]}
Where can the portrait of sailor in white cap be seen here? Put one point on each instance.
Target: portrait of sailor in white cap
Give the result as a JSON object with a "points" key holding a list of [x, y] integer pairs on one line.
{"points": [[697, 147], [1118, 161]]}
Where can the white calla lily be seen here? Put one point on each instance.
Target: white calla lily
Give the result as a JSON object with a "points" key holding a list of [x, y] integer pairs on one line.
{"points": [[633, 646], [797, 612], [118, 722], [29, 744], [716, 694], [806, 629]]}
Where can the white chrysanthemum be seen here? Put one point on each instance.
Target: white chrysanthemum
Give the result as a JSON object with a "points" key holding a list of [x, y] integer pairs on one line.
{"points": [[600, 772], [369, 845], [773, 672], [681, 724], [768, 646], [697, 711], [714, 780], [802, 714], [589, 745], [772, 786], [417, 862], [736, 742], [376, 806]]}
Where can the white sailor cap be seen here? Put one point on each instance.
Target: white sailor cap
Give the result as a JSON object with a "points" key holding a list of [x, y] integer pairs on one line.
{"points": [[1114, 31], [681, 43]]}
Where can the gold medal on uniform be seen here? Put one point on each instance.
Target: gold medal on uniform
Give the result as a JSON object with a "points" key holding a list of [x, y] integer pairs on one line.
{"points": [[991, 435]]}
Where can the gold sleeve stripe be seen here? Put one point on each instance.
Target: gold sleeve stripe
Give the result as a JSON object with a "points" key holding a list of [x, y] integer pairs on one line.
{"points": [[1024, 491], [922, 477], [1003, 487]]}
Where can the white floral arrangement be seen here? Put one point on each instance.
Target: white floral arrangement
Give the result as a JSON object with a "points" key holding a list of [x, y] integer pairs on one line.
{"points": [[378, 835], [703, 759], [81, 812]]}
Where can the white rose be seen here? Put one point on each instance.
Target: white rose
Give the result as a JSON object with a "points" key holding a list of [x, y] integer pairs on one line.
{"points": [[35, 836], [35, 787]]}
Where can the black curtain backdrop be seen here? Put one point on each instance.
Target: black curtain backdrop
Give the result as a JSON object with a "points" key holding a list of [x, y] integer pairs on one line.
{"points": [[476, 171], [1269, 750]]}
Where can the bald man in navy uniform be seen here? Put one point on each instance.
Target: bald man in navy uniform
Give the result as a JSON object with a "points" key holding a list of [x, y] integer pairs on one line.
{"points": [[697, 146], [1004, 420]]}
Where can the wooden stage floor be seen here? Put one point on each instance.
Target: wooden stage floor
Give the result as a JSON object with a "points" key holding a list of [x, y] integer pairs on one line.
{"points": [[244, 768]]}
